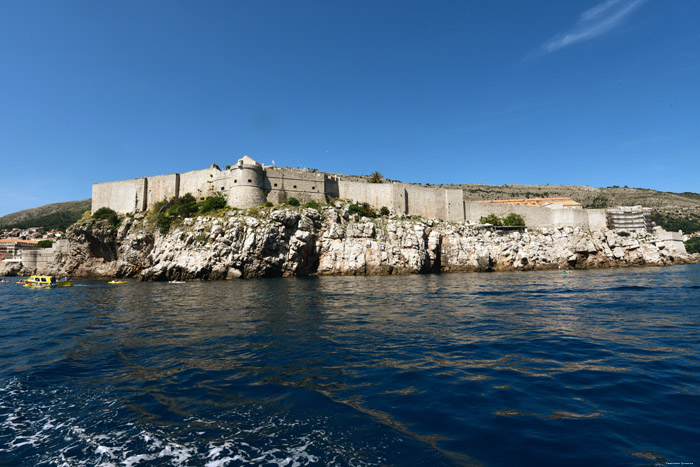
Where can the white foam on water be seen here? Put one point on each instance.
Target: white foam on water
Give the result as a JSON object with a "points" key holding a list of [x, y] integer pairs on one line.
{"points": [[97, 431]]}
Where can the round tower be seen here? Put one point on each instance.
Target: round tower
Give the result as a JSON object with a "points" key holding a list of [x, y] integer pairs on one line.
{"points": [[247, 184]]}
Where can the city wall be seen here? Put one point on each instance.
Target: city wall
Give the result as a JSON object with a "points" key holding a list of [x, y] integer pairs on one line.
{"points": [[162, 187], [43, 258], [123, 196], [248, 184], [282, 184], [539, 217]]}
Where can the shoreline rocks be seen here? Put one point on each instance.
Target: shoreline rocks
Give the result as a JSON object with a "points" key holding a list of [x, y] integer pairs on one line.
{"points": [[274, 242]]}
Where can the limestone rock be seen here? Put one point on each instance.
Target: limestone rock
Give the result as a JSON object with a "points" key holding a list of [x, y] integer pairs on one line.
{"points": [[291, 242]]}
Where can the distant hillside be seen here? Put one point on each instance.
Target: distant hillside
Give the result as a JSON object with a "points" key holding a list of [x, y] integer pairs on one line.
{"points": [[50, 216], [588, 196]]}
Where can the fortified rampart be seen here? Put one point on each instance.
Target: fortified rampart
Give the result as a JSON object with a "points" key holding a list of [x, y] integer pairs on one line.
{"points": [[539, 217], [249, 184], [44, 257]]}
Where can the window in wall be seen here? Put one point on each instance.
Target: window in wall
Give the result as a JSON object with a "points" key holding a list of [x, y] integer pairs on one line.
{"points": [[275, 184], [295, 186], [313, 187], [235, 181], [249, 180]]}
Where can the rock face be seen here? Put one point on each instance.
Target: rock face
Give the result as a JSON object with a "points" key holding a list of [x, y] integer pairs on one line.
{"points": [[295, 242]]}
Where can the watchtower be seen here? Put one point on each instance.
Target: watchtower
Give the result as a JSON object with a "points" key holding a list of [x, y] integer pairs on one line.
{"points": [[247, 184]]}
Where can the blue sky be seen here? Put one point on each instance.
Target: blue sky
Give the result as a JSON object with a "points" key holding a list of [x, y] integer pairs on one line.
{"points": [[599, 93]]}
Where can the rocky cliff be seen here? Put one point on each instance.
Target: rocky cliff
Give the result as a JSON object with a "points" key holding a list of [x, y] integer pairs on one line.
{"points": [[269, 242]]}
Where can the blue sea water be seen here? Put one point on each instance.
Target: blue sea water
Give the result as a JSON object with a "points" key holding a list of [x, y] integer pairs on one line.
{"points": [[598, 367]]}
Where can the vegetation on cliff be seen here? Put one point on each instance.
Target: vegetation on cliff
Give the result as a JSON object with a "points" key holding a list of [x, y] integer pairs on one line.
{"points": [[511, 220], [673, 222], [693, 245]]}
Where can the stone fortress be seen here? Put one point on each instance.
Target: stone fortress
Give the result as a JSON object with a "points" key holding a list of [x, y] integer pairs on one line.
{"points": [[248, 184]]}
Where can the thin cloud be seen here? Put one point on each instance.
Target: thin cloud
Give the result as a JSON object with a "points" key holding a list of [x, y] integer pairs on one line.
{"points": [[592, 23]]}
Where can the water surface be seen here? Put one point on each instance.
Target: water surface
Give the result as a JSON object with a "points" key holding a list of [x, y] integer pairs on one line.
{"points": [[539, 368]]}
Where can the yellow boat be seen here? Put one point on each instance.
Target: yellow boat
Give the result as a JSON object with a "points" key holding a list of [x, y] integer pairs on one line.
{"points": [[116, 282], [47, 281]]}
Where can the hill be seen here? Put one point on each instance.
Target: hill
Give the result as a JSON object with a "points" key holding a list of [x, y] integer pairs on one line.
{"points": [[50, 216]]}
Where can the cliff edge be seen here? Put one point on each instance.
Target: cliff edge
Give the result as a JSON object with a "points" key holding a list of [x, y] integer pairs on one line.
{"points": [[288, 241]]}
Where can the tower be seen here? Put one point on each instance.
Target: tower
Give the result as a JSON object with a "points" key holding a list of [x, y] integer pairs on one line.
{"points": [[247, 184]]}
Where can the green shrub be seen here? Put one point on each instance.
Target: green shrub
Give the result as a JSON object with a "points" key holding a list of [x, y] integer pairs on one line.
{"points": [[688, 223], [599, 202], [363, 209], [268, 204], [163, 221], [514, 220], [44, 244], [312, 204], [186, 205], [693, 245], [212, 203], [491, 219], [384, 211], [106, 214], [511, 220], [293, 201]]}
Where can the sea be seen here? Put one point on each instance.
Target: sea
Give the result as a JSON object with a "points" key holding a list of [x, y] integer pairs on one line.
{"points": [[590, 368]]}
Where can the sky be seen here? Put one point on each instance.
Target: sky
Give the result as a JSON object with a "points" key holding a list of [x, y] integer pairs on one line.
{"points": [[599, 93]]}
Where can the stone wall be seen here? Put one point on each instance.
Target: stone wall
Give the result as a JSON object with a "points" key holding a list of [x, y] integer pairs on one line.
{"points": [[390, 195], [282, 184], [200, 183], [162, 187], [123, 196], [43, 258], [538, 217], [673, 241], [248, 184]]}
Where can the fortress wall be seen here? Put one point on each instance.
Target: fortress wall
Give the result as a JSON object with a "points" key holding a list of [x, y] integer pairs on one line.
{"points": [[196, 182], [124, 196], [535, 217], [399, 198], [283, 184], [162, 187], [539, 217], [376, 194], [427, 202], [38, 259], [220, 183], [596, 219], [569, 217], [454, 200]]}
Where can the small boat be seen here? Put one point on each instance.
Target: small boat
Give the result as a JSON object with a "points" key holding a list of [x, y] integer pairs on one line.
{"points": [[176, 282], [115, 281], [47, 282], [4, 281], [64, 282], [22, 282]]}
